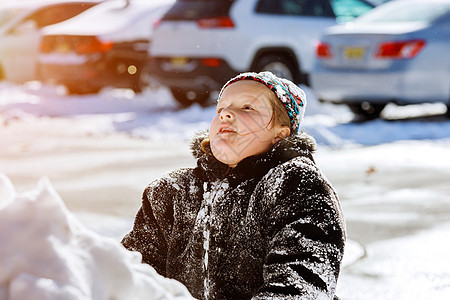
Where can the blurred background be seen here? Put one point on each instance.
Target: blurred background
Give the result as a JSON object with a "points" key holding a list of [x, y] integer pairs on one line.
{"points": [[103, 96]]}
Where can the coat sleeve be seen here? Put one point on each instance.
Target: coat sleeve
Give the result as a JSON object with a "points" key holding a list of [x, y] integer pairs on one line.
{"points": [[152, 225], [304, 232]]}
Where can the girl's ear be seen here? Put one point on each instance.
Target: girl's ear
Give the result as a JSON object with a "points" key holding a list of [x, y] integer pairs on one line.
{"points": [[283, 132]]}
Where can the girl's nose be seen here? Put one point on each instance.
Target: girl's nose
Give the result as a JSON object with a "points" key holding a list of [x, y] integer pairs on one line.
{"points": [[226, 113]]}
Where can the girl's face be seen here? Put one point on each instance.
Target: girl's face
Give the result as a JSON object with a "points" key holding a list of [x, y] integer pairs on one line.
{"points": [[242, 126]]}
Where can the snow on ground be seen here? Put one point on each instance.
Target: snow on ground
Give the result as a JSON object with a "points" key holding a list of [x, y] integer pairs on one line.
{"points": [[155, 115], [392, 176], [406, 268], [396, 202]]}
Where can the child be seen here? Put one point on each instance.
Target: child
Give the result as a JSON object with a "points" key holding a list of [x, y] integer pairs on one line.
{"points": [[256, 219]]}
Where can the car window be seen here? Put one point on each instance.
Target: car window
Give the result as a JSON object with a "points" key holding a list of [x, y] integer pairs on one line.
{"points": [[54, 14], [406, 12], [198, 9], [317, 8], [113, 15], [347, 10]]}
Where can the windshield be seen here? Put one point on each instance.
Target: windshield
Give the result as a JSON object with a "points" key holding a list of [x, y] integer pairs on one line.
{"points": [[107, 16], [197, 9], [404, 11]]}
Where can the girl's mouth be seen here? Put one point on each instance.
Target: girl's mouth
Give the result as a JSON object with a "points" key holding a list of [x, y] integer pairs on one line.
{"points": [[226, 129]]}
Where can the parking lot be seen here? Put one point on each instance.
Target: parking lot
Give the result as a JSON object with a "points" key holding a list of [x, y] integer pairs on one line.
{"points": [[99, 152], [89, 110]]}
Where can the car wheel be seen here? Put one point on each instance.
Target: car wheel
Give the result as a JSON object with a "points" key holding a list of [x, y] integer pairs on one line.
{"points": [[188, 97], [367, 110], [278, 65], [81, 89]]}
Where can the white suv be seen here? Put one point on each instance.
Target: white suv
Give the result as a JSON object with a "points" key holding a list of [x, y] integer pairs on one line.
{"points": [[199, 44]]}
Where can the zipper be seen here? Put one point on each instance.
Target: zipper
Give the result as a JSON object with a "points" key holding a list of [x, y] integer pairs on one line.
{"points": [[210, 198]]}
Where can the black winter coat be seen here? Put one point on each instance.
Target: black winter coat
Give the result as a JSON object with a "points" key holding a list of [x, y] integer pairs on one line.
{"points": [[271, 227]]}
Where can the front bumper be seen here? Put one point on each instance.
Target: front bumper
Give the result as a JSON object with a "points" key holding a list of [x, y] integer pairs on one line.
{"points": [[99, 71], [192, 75], [377, 86]]}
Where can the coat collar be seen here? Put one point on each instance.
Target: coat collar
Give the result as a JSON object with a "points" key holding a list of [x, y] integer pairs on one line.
{"points": [[254, 166]]}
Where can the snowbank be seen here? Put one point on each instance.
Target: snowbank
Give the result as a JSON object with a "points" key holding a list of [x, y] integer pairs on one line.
{"points": [[46, 253]]}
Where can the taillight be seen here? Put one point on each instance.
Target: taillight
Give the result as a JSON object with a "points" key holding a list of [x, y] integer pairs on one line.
{"points": [[46, 44], [89, 45], [399, 49], [157, 23], [323, 50], [217, 22], [211, 62], [45, 47]]}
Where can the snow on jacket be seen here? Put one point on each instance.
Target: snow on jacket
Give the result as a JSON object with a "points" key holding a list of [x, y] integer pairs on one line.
{"points": [[270, 228]]}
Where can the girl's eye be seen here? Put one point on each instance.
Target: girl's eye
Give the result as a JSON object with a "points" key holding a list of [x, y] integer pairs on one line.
{"points": [[219, 110], [247, 107]]}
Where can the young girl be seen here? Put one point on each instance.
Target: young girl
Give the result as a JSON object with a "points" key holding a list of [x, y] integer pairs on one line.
{"points": [[256, 219]]}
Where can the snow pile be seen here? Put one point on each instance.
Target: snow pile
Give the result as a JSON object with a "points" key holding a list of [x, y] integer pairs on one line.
{"points": [[46, 253]]}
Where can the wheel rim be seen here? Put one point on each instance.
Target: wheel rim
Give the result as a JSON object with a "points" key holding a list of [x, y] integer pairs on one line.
{"points": [[280, 70], [366, 109], [189, 97]]}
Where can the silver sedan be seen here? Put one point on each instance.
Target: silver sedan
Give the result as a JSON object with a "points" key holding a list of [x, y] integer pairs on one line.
{"points": [[398, 52]]}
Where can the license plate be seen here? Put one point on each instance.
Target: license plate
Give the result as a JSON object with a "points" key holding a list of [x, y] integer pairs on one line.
{"points": [[179, 64], [354, 52], [179, 61], [63, 48]]}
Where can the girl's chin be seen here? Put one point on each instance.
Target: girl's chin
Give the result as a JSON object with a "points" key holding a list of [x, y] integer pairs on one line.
{"points": [[230, 163], [224, 153]]}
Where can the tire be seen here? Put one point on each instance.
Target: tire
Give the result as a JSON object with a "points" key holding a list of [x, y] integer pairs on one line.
{"points": [[143, 80], [367, 110], [279, 65], [188, 97]]}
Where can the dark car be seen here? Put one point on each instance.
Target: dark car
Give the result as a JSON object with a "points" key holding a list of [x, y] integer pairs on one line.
{"points": [[105, 46], [21, 23]]}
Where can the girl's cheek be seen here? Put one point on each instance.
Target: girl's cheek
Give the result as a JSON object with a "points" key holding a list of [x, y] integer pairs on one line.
{"points": [[211, 130], [253, 121], [213, 127], [214, 122]]}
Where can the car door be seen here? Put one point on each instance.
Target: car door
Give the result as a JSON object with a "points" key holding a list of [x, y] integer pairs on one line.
{"points": [[299, 24], [295, 24]]}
